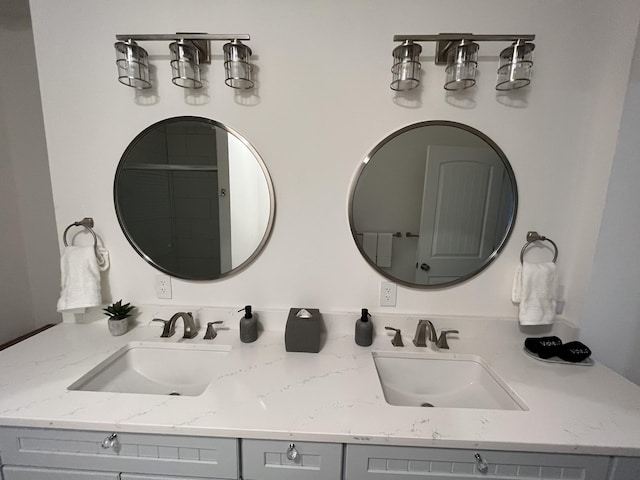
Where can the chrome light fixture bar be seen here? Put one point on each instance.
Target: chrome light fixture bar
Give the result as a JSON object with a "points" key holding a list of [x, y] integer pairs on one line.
{"points": [[188, 51], [459, 52]]}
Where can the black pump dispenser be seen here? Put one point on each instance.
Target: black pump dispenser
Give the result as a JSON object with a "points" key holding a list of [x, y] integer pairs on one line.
{"points": [[364, 329], [248, 326]]}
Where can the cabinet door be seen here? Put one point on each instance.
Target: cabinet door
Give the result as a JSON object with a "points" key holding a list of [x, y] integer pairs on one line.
{"points": [[284, 460], [137, 453], [625, 468], [130, 476], [409, 463], [29, 473]]}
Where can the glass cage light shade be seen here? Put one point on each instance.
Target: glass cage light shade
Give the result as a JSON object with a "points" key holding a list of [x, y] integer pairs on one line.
{"points": [[516, 63], [462, 64], [237, 65], [185, 64], [406, 66], [133, 65]]}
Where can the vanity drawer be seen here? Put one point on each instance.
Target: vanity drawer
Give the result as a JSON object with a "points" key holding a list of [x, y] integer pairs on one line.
{"points": [[135, 453], [373, 462], [277, 460], [28, 473]]}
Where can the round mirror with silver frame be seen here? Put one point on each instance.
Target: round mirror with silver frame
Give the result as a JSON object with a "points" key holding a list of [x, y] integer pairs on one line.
{"points": [[194, 198], [433, 204]]}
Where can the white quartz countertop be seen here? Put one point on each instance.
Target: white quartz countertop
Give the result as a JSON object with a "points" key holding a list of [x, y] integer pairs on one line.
{"points": [[262, 391]]}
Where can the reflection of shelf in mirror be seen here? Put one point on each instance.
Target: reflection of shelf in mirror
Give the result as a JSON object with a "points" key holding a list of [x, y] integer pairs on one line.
{"points": [[397, 234], [171, 166]]}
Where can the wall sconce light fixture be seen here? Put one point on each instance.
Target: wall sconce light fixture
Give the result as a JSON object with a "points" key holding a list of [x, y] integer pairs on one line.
{"points": [[133, 65], [406, 66], [515, 66], [459, 52], [237, 65], [188, 51], [185, 64], [462, 63]]}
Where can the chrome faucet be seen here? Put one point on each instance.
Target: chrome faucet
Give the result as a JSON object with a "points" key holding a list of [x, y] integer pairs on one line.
{"points": [[424, 331], [169, 329]]}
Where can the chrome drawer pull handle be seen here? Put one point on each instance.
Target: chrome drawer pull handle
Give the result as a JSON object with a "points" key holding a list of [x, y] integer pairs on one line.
{"points": [[292, 453], [481, 465], [110, 441]]}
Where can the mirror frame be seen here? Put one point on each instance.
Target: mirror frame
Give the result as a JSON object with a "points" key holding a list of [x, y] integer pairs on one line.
{"points": [[439, 123], [263, 167]]}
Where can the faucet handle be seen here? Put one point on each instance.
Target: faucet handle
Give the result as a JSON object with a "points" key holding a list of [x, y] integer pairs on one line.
{"points": [[168, 328], [211, 333], [442, 341], [397, 338]]}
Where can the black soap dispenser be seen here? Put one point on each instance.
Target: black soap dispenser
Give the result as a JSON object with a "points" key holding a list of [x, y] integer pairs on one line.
{"points": [[248, 326], [364, 329]]}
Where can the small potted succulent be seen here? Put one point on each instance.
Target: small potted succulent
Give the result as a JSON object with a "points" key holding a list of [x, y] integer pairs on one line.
{"points": [[118, 314]]}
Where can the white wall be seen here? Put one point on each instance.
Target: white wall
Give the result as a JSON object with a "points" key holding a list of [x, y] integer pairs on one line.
{"points": [[323, 102], [612, 317], [29, 272]]}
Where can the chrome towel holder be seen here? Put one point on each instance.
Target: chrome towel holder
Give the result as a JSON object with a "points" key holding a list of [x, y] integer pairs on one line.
{"points": [[536, 237], [87, 223]]}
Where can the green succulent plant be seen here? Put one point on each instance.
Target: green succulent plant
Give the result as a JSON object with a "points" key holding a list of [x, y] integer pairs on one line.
{"points": [[117, 311]]}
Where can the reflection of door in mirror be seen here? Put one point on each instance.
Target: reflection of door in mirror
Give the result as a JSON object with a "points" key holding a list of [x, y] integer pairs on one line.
{"points": [[248, 195], [224, 203], [446, 196], [462, 184]]}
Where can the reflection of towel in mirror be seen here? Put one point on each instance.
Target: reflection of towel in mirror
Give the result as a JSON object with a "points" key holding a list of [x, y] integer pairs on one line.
{"points": [[383, 252], [80, 282], [534, 288], [370, 245]]}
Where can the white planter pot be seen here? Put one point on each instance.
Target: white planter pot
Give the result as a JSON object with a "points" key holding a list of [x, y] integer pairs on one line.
{"points": [[118, 327]]}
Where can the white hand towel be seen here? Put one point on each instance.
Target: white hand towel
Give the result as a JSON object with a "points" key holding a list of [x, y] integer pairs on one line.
{"points": [[80, 282], [370, 245], [516, 289], [534, 287], [385, 241]]}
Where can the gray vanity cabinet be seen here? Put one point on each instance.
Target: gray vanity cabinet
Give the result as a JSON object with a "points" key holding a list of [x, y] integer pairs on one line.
{"points": [[284, 460], [34, 454], [370, 462]]}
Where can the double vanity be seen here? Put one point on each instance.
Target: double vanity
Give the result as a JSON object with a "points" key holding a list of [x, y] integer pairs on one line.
{"points": [[77, 403], [432, 205]]}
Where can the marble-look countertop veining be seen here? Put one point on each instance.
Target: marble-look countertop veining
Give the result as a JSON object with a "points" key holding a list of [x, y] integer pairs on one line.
{"points": [[262, 391]]}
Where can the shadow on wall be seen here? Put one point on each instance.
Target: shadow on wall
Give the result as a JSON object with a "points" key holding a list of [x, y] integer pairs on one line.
{"points": [[199, 96]]}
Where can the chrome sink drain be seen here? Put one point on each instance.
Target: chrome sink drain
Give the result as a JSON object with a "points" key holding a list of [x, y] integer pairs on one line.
{"points": [[426, 404]]}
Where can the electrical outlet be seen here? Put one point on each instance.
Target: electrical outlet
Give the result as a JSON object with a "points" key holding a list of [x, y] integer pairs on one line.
{"points": [[388, 292], [163, 286]]}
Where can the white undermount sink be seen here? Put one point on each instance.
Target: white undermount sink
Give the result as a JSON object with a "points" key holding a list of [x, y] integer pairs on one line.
{"points": [[155, 368], [443, 381]]}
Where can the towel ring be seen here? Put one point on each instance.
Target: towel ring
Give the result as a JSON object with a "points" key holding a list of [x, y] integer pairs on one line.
{"points": [[86, 222], [535, 237]]}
